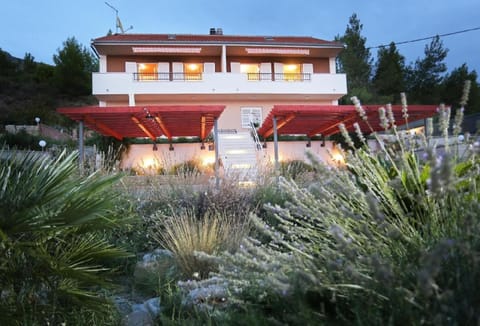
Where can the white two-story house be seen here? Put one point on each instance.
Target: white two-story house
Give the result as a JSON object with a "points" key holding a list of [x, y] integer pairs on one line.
{"points": [[232, 94]]}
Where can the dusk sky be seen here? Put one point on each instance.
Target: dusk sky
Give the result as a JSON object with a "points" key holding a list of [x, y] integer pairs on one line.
{"points": [[40, 27]]}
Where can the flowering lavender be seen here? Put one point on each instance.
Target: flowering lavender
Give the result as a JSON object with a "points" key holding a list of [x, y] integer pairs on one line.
{"points": [[457, 124], [361, 112], [403, 99], [429, 127], [444, 119], [466, 92], [358, 131], [383, 118], [391, 117], [345, 135]]}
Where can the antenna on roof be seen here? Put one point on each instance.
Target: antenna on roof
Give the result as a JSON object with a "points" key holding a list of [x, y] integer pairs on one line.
{"points": [[118, 23]]}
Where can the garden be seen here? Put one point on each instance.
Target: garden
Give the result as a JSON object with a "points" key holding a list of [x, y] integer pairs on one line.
{"points": [[391, 237]]}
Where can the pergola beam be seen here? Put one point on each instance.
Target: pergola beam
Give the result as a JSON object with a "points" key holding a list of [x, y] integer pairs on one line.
{"points": [[144, 128], [324, 130], [279, 124], [102, 127], [203, 122], [163, 127]]}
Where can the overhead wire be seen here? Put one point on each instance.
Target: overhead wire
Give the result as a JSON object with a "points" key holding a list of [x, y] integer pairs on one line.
{"points": [[426, 38]]}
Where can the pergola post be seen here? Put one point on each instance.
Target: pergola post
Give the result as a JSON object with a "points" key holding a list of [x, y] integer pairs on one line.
{"points": [[81, 147], [275, 144], [217, 163]]}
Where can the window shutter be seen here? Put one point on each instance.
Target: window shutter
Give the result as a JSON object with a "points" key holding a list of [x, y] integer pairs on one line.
{"points": [[209, 67], [278, 68], [235, 67], [177, 68], [131, 67], [163, 67], [307, 68], [265, 71], [253, 114], [163, 70]]}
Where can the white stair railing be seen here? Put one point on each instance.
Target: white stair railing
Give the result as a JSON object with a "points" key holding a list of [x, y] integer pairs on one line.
{"points": [[258, 144]]}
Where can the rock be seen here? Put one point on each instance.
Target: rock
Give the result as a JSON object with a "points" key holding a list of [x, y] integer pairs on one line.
{"points": [[207, 297], [138, 318], [154, 266], [153, 306], [156, 255]]}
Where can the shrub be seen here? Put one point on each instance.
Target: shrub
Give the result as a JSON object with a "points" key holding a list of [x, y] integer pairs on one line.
{"points": [[389, 239], [187, 169], [186, 235], [52, 250], [294, 169]]}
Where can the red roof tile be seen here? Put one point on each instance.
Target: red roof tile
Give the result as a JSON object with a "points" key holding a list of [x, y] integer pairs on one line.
{"points": [[206, 39]]}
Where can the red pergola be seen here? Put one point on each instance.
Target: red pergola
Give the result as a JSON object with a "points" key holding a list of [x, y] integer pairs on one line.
{"points": [[150, 121], [312, 120]]}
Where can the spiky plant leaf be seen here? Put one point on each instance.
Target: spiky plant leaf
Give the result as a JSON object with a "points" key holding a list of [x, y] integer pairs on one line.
{"points": [[52, 252]]}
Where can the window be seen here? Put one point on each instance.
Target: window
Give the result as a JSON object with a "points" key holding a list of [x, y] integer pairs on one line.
{"points": [[147, 71], [252, 71], [193, 71], [292, 72], [251, 114]]}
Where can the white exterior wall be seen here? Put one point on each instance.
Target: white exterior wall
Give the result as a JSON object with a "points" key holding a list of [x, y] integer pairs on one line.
{"points": [[141, 157], [333, 86]]}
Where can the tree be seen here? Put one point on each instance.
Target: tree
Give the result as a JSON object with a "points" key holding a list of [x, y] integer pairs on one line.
{"points": [[8, 65], [355, 60], [426, 76], [29, 64], [389, 78], [453, 85], [74, 65]]}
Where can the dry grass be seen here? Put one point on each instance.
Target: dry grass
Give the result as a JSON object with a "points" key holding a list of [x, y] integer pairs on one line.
{"points": [[186, 235]]}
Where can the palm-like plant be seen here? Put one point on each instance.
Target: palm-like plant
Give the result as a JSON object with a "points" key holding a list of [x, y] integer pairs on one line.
{"points": [[52, 247]]}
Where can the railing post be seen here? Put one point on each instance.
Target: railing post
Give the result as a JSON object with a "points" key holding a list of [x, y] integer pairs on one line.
{"points": [[81, 149], [217, 163], [275, 144]]}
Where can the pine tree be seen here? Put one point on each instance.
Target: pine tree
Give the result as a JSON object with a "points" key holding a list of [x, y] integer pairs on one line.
{"points": [[452, 87], [389, 78], [426, 76], [74, 65], [355, 60]]}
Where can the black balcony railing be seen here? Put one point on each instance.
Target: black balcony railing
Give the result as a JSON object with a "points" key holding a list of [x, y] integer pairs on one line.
{"points": [[168, 76], [292, 76], [279, 76], [187, 76]]}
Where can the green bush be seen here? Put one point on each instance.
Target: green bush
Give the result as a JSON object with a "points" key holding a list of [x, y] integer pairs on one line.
{"points": [[53, 251]]}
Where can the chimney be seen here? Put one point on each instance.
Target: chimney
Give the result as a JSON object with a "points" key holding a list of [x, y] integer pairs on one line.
{"points": [[213, 31], [219, 31]]}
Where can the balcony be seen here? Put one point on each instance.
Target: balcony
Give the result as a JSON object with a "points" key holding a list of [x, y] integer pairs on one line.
{"points": [[329, 86]]}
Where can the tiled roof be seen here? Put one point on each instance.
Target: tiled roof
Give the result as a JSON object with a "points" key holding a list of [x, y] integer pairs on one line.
{"points": [[215, 39]]}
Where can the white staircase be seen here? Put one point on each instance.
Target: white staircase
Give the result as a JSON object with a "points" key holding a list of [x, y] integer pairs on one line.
{"points": [[238, 152]]}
